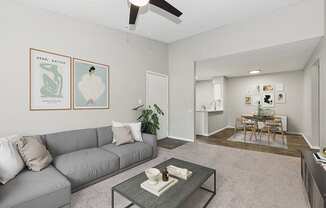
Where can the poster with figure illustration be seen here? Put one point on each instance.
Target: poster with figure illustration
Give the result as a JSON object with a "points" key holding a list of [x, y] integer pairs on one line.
{"points": [[50, 76], [91, 85]]}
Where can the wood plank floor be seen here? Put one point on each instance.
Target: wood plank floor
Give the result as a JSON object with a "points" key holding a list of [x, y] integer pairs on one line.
{"points": [[296, 143]]}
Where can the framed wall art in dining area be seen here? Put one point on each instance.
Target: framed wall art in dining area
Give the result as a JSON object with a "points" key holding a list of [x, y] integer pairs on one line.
{"points": [[280, 98], [91, 85], [49, 81]]}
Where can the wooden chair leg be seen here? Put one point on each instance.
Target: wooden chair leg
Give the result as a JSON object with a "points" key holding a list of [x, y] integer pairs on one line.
{"points": [[252, 131], [269, 135], [245, 133], [255, 131]]}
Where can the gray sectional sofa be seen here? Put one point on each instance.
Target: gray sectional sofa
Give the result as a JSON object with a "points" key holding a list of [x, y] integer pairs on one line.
{"points": [[80, 158]]}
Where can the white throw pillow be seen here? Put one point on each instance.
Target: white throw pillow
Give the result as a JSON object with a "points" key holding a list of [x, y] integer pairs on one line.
{"points": [[11, 162], [135, 129]]}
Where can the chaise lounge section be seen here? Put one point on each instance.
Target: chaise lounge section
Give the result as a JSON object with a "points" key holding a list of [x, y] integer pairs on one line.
{"points": [[80, 158]]}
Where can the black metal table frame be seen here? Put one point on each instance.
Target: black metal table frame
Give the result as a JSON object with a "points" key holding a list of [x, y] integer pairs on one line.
{"points": [[213, 192]]}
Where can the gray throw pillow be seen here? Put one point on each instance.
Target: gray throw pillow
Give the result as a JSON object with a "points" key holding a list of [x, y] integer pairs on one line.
{"points": [[34, 153], [122, 135]]}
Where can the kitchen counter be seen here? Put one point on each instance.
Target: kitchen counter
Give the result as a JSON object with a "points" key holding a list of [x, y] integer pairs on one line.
{"points": [[209, 121]]}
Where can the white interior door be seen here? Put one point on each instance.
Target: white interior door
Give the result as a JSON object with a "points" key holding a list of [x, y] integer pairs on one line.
{"points": [[157, 93]]}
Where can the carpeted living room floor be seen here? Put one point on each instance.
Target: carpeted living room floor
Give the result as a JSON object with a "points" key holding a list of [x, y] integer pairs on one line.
{"points": [[245, 179]]}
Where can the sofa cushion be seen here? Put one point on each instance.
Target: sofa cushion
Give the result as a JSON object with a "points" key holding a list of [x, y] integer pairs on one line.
{"points": [[105, 135], [34, 152], [83, 166], [130, 153], [47, 188], [70, 141], [122, 135]]}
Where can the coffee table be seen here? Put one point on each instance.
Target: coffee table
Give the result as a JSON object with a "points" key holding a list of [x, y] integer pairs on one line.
{"points": [[172, 198]]}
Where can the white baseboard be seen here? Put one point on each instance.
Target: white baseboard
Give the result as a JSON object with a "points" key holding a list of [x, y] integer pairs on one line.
{"points": [[181, 138], [218, 130], [306, 139]]}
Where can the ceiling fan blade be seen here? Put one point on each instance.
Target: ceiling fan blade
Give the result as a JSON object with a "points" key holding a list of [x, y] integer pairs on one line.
{"points": [[133, 14], [166, 6]]}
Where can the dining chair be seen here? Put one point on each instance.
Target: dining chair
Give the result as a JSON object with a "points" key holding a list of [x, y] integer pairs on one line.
{"points": [[238, 125], [276, 126], [262, 128], [250, 125]]}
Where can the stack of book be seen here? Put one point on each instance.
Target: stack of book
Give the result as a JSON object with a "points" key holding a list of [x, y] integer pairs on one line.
{"points": [[159, 188]]}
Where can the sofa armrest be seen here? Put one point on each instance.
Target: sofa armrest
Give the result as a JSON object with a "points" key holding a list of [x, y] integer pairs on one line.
{"points": [[151, 140]]}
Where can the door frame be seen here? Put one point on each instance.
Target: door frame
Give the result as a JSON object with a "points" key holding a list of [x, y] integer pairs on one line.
{"points": [[167, 95]]}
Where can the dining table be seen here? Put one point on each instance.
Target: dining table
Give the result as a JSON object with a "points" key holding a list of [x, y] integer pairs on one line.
{"points": [[262, 118]]}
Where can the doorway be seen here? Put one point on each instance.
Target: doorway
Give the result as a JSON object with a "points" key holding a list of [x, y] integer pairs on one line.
{"points": [[157, 93]]}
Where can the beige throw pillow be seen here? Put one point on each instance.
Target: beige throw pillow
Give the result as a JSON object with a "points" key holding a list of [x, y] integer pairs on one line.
{"points": [[34, 153], [122, 135], [134, 127]]}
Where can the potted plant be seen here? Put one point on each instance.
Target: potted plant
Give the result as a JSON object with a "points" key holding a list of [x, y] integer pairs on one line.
{"points": [[149, 119]]}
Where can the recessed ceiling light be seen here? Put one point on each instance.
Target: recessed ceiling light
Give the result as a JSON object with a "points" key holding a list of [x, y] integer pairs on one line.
{"points": [[254, 71], [139, 3]]}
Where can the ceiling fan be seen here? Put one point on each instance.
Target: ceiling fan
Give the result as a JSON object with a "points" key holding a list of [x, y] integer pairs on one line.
{"points": [[136, 4]]}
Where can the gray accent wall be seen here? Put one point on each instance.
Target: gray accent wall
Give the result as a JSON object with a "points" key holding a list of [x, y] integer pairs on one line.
{"points": [[128, 55]]}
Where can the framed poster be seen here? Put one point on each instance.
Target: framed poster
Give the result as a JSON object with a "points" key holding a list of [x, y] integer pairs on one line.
{"points": [[248, 100], [91, 85], [280, 98], [268, 88], [268, 99], [49, 81]]}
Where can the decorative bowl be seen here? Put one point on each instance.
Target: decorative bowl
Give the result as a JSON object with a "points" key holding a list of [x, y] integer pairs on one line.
{"points": [[154, 175]]}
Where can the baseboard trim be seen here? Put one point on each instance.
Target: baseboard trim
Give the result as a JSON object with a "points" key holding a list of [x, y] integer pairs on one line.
{"points": [[295, 133], [218, 130], [181, 138], [309, 144]]}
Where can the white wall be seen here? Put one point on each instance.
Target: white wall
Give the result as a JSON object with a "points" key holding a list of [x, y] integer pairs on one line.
{"points": [[204, 94], [293, 87], [298, 22], [129, 56], [311, 104], [319, 54]]}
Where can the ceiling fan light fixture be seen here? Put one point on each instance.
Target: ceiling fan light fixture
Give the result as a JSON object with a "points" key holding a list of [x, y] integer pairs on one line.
{"points": [[256, 71], [139, 3]]}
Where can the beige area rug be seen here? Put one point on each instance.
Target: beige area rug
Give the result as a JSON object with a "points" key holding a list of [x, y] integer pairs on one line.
{"points": [[245, 179], [262, 139]]}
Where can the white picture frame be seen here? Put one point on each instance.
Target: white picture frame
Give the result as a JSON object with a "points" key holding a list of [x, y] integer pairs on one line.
{"points": [[268, 99], [267, 88], [280, 97]]}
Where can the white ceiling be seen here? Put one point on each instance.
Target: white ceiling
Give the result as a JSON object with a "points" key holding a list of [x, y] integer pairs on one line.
{"points": [[282, 58], [199, 15]]}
